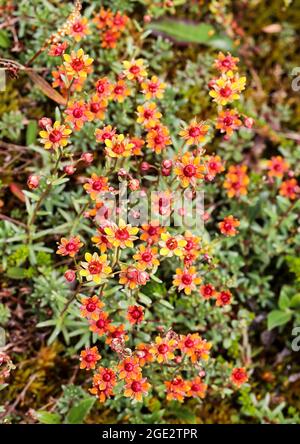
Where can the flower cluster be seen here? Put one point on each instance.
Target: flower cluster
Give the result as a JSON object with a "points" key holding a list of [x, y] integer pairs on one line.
{"points": [[128, 254]]}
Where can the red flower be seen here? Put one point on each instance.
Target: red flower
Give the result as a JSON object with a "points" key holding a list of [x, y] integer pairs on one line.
{"points": [[91, 307], [223, 298], [290, 189], [103, 383], [135, 314], [69, 247], [89, 358], [207, 291], [101, 324], [239, 376], [228, 226]]}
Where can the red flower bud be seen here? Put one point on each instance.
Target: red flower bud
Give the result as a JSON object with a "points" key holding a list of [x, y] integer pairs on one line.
{"points": [[69, 170], [167, 164], [70, 275], [33, 181], [44, 122], [87, 157], [165, 172], [145, 166]]}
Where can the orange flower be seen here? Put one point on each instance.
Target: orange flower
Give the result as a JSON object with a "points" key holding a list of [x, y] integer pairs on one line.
{"points": [[226, 63], [69, 247], [91, 307], [176, 389], [236, 181], [132, 276], [163, 349], [171, 245], [137, 146], [96, 185], [214, 166], [196, 388], [120, 91], [277, 166], [97, 108], [194, 347], [118, 146], [101, 241], [188, 169], [228, 121], [56, 136], [290, 189], [192, 243], [95, 268], [101, 324], [186, 280], [105, 133], [151, 232], [158, 138], [89, 358], [143, 354], [146, 257], [104, 18], [223, 298], [148, 115], [207, 291], [103, 88], [228, 226], [110, 38], [121, 235], [129, 369], [77, 114], [135, 314], [195, 132], [134, 70], [120, 21], [239, 376], [80, 29], [77, 64], [103, 383], [116, 333], [58, 49], [137, 388], [153, 88]]}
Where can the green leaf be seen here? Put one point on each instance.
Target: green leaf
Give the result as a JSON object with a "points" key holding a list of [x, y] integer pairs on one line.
{"points": [[277, 318], [202, 33], [16, 273], [4, 39], [31, 132], [77, 413], [284, 301], [295, 301], [48, 418]]}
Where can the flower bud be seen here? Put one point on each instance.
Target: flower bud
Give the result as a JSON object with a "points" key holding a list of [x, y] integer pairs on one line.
{"points": [[70, 275], [44, 122], [69, 170], [165, 172], [87, 157], [167, 164], [145, 166], [249, 122], [33, 181]]}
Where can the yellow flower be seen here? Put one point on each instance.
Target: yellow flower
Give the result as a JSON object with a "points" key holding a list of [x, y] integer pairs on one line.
{"points": [[227, 88], [121, 236], [118, 146], [153, 88], [95, 268], [171, 245], [134, 70], [77, 64], [56, 136], [188, 169], [146, 257], [195, 132], [148, 115]]}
